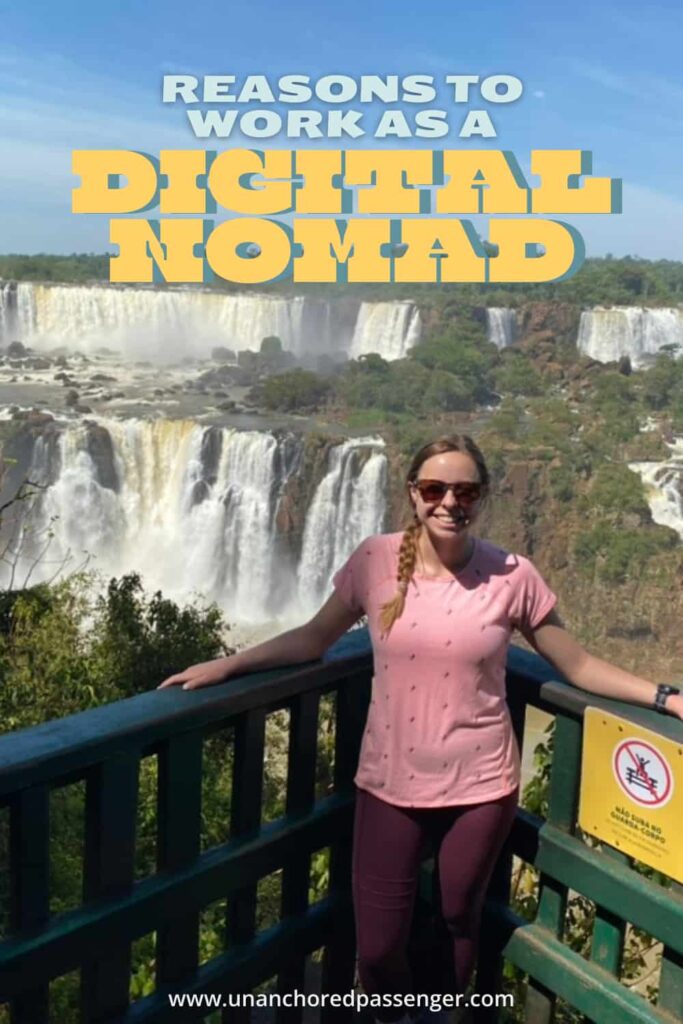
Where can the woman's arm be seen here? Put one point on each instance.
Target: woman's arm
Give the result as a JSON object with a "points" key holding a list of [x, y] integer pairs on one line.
{"points": [[556, 645], [306, 643]]}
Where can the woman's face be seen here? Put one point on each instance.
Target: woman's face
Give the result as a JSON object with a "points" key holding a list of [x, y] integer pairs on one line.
{"points": [[452, 513]]}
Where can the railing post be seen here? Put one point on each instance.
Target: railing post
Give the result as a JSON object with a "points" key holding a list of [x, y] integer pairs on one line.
{"points": [[671, 976], [29, 884], [179, 801], [490, 962], [552, 903], [111, 805], [302, 758], [245, 818], [339, 961]]}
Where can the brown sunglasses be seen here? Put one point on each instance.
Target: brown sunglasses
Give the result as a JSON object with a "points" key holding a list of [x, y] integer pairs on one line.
{"points": [[434, 491]]}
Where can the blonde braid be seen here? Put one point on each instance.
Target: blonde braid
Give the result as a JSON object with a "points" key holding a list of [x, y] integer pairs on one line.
{"points": [[407, 556]]}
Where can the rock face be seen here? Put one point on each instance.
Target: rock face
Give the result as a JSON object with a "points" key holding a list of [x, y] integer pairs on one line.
{"points": [[559, 318], [635, 624], [100, 449]]}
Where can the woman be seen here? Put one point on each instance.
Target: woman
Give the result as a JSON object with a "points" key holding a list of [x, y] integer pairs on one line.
{"points": [[438, 761]]}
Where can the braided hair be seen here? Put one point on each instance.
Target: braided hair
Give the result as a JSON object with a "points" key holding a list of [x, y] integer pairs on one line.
{"points": [[407, 554]]}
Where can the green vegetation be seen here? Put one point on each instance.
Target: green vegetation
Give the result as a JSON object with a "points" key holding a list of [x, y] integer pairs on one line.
{"points": [[615, 488], [516, 375], [74, 269], [617, 554], [67, 648], [609, 281], [293, 391]]}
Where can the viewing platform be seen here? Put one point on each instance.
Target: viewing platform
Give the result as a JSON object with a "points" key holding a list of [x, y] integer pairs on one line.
{"points": [[102, 751]]}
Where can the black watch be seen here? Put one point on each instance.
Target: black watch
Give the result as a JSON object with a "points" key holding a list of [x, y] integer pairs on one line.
{"points": [[663, 691]]}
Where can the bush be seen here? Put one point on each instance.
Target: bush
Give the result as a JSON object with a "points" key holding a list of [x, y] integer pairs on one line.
{"points": [[468, 362], [616, 488], [617, 555], [295, 391], [516, 375], [68, 649]]}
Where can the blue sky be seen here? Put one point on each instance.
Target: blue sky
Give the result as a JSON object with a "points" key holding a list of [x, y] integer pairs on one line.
{"points": [[598, 76]]}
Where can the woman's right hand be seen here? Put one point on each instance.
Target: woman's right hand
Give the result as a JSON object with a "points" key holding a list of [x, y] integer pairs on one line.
{"points": [[206, 673], [305, 643]]}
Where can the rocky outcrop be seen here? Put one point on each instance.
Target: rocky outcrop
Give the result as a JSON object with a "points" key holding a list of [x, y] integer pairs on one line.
{"points": [[561, 319], [101, 451]]}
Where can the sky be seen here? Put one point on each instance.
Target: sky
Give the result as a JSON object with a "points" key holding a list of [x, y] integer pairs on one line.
{"points": [[604, 77]]}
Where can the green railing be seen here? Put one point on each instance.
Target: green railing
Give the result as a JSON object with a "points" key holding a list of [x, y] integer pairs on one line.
{"points": [[104, 748], [606, 877]]}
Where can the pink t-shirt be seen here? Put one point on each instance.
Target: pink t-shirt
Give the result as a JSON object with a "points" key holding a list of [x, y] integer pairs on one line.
{"points": [[438, 731]]}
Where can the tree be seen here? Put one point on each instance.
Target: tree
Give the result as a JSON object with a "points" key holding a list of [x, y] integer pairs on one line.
{"points": [[271, 346], [295, 391]]}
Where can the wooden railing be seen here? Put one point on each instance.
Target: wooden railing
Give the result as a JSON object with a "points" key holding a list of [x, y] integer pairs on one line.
{"points": [[103, 750]]}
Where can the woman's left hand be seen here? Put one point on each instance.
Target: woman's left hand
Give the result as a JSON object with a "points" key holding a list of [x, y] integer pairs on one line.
{"points": [[674, 705]]}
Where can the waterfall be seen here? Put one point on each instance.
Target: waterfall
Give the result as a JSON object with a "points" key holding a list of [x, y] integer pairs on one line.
{"points": [[608, 334], [168, 324], [501, 326], [146, 323], [388, 328], [194, 509], [344, 510], [7, 310], [664, 485]]}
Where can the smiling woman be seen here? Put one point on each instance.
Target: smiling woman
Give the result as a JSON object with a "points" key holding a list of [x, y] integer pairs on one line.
{"points": [[439, 763]]}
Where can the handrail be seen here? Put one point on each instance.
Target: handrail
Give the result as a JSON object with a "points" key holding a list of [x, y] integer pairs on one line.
{"points": [[105, 745]]}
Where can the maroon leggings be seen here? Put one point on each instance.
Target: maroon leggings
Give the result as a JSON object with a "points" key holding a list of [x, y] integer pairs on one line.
{"points": [[389, 843]]}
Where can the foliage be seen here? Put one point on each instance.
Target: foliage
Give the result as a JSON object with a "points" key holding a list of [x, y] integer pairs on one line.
{"points": [[68, 649], [140, 640], [606, 281], [76, 268], [619, 555], [295, 391], [507, 423], [616, 488], [516, 375]]}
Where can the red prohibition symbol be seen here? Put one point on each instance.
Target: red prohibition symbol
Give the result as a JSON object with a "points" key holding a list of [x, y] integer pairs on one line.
{"points": [[643, 773]]}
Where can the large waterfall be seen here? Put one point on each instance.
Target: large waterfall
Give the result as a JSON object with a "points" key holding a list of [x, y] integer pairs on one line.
{"points": [[198, 509], [172, 323], [664, 485], [608, 334]]}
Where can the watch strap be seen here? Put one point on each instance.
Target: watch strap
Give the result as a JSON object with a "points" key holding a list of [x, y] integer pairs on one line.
{"points": [[664, 690]]}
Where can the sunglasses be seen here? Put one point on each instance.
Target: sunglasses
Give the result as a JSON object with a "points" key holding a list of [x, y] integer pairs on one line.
{"points": [[434, 491]]}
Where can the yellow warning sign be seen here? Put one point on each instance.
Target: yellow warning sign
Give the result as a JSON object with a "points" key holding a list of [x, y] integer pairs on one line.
{"points": [[632, 791]]}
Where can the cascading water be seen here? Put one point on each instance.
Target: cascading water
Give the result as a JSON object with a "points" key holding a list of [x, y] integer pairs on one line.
{"points": [[387, 328], [664, 485], [608, 334], [146, 323], [501, 326], [194, 509], [168, 324], [344, 510], [7, 309]]}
